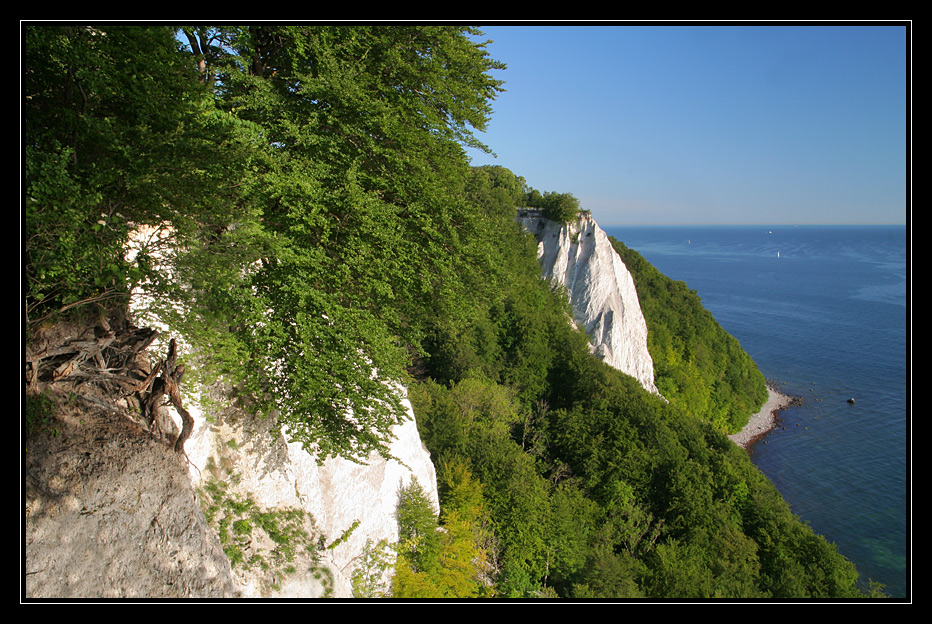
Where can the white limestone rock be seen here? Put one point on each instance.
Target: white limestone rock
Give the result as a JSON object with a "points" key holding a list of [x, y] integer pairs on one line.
{"points": [[350, 502], [579, 256]]}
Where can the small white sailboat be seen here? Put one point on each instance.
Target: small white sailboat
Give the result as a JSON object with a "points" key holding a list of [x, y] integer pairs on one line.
{"points": [[778, 254]]}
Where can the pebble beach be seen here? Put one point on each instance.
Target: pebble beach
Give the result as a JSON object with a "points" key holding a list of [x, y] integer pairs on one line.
{"points": [[763, 421]]}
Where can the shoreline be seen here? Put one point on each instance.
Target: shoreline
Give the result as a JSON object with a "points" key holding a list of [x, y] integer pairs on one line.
{"points": [[761, 423]]}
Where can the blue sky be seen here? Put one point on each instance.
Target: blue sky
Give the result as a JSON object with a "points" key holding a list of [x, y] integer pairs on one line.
{"points": [[785, 124]]}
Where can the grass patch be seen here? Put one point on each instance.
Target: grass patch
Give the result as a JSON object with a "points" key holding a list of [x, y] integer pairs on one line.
{"points": [[246, 530]]}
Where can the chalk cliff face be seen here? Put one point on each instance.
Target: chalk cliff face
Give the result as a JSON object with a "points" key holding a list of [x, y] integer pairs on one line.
{"points": [[274, 521], [350, 503], [579, 256]]}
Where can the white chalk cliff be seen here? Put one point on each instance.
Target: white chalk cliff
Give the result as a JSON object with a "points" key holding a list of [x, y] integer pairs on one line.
{"points": [[114, 512], [351, 503], [579, 256]]}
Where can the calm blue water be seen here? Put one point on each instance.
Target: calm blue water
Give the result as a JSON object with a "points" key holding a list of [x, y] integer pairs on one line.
{"points": [[827, 319]]}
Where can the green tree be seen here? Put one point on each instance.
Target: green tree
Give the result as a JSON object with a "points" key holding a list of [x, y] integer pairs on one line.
{"points": [[117, 134], [468, 538], [610, 575], [496, 189], [561, 207], [354, 230], [370, 578], [418, 536], [435, 561], [571, 532], [461, 561]]}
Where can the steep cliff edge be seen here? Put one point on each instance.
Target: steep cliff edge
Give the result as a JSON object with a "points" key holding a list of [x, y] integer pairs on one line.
{"points": [[579, 256], [109, 508], [112, 511], [238, 461]]}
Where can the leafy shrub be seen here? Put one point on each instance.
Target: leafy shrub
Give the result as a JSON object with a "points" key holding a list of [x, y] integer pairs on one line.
{"points": [[39, 413], [560, 207]]}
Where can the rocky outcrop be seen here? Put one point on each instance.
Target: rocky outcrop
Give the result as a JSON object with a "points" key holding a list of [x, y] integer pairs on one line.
{"points": [[114, 511], [579, 256], [110, 511]]}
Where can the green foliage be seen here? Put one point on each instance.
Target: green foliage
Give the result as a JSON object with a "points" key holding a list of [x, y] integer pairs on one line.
{"points": [[627, 525], [371, 571], [560, 207], [571, 532], [698, 366], [243, 526], [310, 178], [609, 575], [115, 134], [435, 562], [419, 540], [344, 536], [494, 189], [358, 184], [459, 489]]}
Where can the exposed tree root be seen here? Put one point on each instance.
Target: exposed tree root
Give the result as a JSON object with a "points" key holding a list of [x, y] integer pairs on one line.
{"points": [[117, 363]]}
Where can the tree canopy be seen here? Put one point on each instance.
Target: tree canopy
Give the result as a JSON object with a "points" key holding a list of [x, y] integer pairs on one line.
{"points": [[560, 207], [311, 178]]}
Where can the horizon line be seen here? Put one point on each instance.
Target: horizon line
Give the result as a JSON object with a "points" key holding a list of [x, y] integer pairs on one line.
{"points": [[753, 224]]}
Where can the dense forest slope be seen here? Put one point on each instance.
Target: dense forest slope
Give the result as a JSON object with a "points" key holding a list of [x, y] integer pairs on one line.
{"points": [[327, 236], [698, 364]]}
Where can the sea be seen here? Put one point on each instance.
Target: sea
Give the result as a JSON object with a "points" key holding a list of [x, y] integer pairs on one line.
{"points": [[825, 313]]}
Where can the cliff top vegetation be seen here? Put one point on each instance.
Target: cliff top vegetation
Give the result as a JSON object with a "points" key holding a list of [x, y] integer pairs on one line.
{"points": [[326, 233]]}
